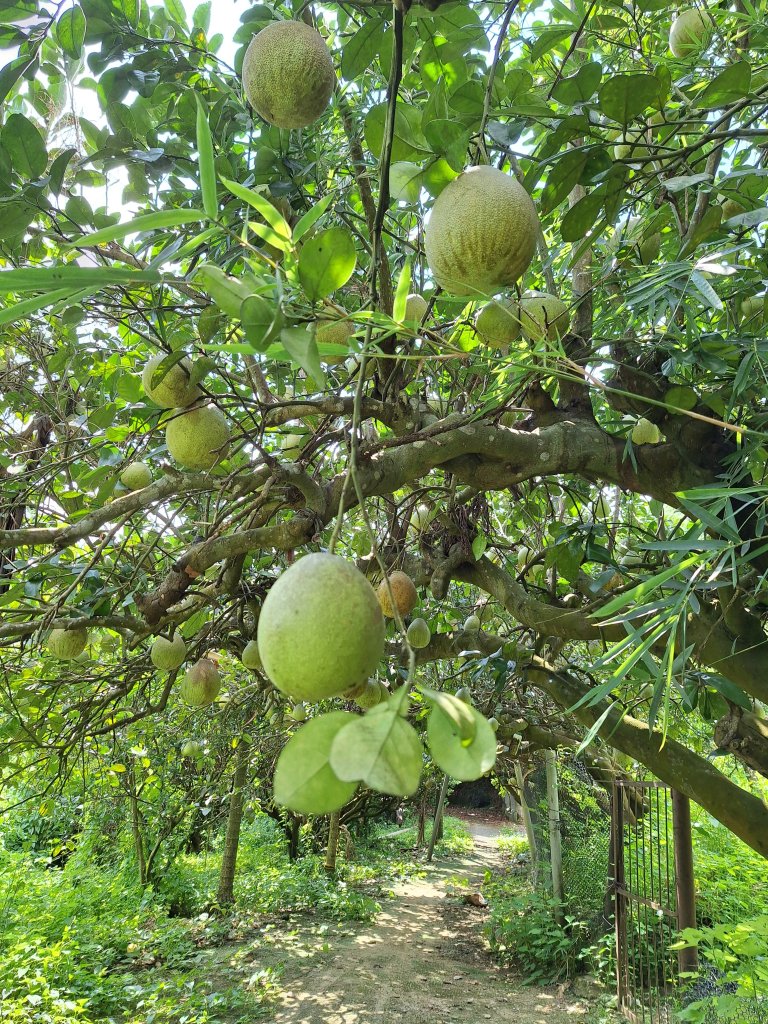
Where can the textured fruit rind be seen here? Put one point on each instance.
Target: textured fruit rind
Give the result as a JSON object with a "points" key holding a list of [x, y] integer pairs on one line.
{"points": [[201, 684], [481, 234], [403, 592], [321, 630], [66, 644], [136, 476], [167, 655], [543, 316], [418, 634], [498, 322], [689, 33], [645, 432], [288, 74], [175, 390], [334, 332], [197, 439], [415, 308], [251, 658]]}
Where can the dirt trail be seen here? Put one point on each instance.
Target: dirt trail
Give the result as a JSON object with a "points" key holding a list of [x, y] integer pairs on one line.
{"points": [[423, 961]]}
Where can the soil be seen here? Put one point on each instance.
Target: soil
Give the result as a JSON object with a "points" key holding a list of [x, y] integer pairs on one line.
{"points": [[422, 961]]}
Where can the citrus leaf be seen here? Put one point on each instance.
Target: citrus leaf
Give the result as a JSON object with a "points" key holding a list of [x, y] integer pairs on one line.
{"points": [[459, 759], [304, 779], [460, 714], [25, 146], [302, 348], [327, 262], [380, 749], [579, 87], [731, 84], [623, 97], [70, 31]]}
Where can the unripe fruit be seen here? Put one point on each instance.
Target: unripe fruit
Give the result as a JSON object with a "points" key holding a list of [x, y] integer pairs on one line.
{"points": [[334, 332], [472, 624], [291, 444], [415, 308], [321, 630], [421, 518], [299, 712], [463, 694], [403, 593], [481, 234], [418, 634], [405, 182], [288, 74], [649, 248], [753, 310], [543, 316], [369, 696], [67, 644], [201, 684], [732, 208], [494, 724], [192, 748], [167, 655], [250, 658], [689, 34], [645, 432], [175, 391], [136, 476], [498, 322], [198, 438]]}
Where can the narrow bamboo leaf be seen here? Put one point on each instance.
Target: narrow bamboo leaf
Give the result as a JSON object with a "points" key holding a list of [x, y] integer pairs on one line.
{"points": [[311, 217], [38, 279], [401, 293], [271, 215], [139, 225], [636, 594], [18, 310], [206, 165]]}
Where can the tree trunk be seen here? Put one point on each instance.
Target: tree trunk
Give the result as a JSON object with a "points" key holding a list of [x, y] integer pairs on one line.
{"points": [[138, 841], [225, 892], [437, 824], [333, 843], [744, 735], [555, 837], [294, 827], [528, 822]]}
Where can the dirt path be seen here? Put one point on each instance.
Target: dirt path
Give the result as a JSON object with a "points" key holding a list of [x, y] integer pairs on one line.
{"points": [[423, 961]]}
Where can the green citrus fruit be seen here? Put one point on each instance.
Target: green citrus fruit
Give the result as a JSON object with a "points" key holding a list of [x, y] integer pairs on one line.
{"points": [[198, 438]]}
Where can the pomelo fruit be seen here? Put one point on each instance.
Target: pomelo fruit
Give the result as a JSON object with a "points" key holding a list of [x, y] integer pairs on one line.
{"points": [[321, 630], [201, 684], [418, 634], [334, 332], [498, 322], [753, 310], [732, 208], [175, 390], [543, 316], [415, 308], [464, 694], [471, 624], [136, 476], [481, 234], [645, 432], [167, 655], [421, 518], [198, 438], [292, 444], [288, 74], [689, 34], [67, 644], [192, 748], [251, 658], [369, 695], [403, 593], [649, 248]]}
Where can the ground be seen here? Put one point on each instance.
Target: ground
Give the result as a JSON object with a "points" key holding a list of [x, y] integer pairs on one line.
{"points": [[423, 960]]}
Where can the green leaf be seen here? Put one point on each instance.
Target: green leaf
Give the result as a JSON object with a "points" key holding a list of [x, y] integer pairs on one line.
{"points": [[301, 346], [261, 320], [326, 262], [623, 97], [18, 310], [70, 31], [479, 545], [206, 163], [304, 780], [271, 215], [458, 711], [459, 759], [312, 216], [408, 143], [579, 87], [24, 144], [362, 49], [680, 397], [582, 216], [11, 73], [147, 222], [548, 39], [229, 293], [401, 293], [448, 139], [38, 279], [731, 84], [380, 749]]}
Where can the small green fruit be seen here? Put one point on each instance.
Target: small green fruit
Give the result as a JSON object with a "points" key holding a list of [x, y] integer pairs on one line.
{"points": [[463, 694], [418, 634], [167, 655], [67, 644], [498, 322], [201, 684], [369, 696], [192, 748], [250, 658], [136, 476], [422, 517], [299, 712], [494, 724], [175, 390], [471, 624], [415, 308]]}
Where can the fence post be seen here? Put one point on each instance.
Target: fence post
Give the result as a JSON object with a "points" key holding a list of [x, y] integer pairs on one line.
{"points": [[687, 958], [620, 909], [555, 838]]}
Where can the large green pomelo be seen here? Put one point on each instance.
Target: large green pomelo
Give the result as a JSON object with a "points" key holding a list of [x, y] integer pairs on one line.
{"points": [[201, 684], [321, 630], [175, 391], [690, 33], [288, 74], [166, 654], [498, 322], [67, 644], [544, 316], [482, 233], [198, 438]]}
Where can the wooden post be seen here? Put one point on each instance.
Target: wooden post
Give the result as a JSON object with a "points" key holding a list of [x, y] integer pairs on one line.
{"points": [[528, 822], [687, 958], [438, 818], [334, 823], [555, 838]]}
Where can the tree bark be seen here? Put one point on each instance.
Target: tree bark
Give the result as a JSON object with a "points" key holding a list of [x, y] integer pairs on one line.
{"points": [[333, 843], [225, 892]]}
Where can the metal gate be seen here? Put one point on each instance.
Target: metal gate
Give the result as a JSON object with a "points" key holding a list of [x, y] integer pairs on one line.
{"points": [[652, 861]]}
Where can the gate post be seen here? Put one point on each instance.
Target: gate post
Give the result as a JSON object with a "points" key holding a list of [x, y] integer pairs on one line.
{"points": [[687, 958], [620, 906]]}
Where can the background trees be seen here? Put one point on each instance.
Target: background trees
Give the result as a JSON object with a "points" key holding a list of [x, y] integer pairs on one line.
{"points": [[146, 212]]}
